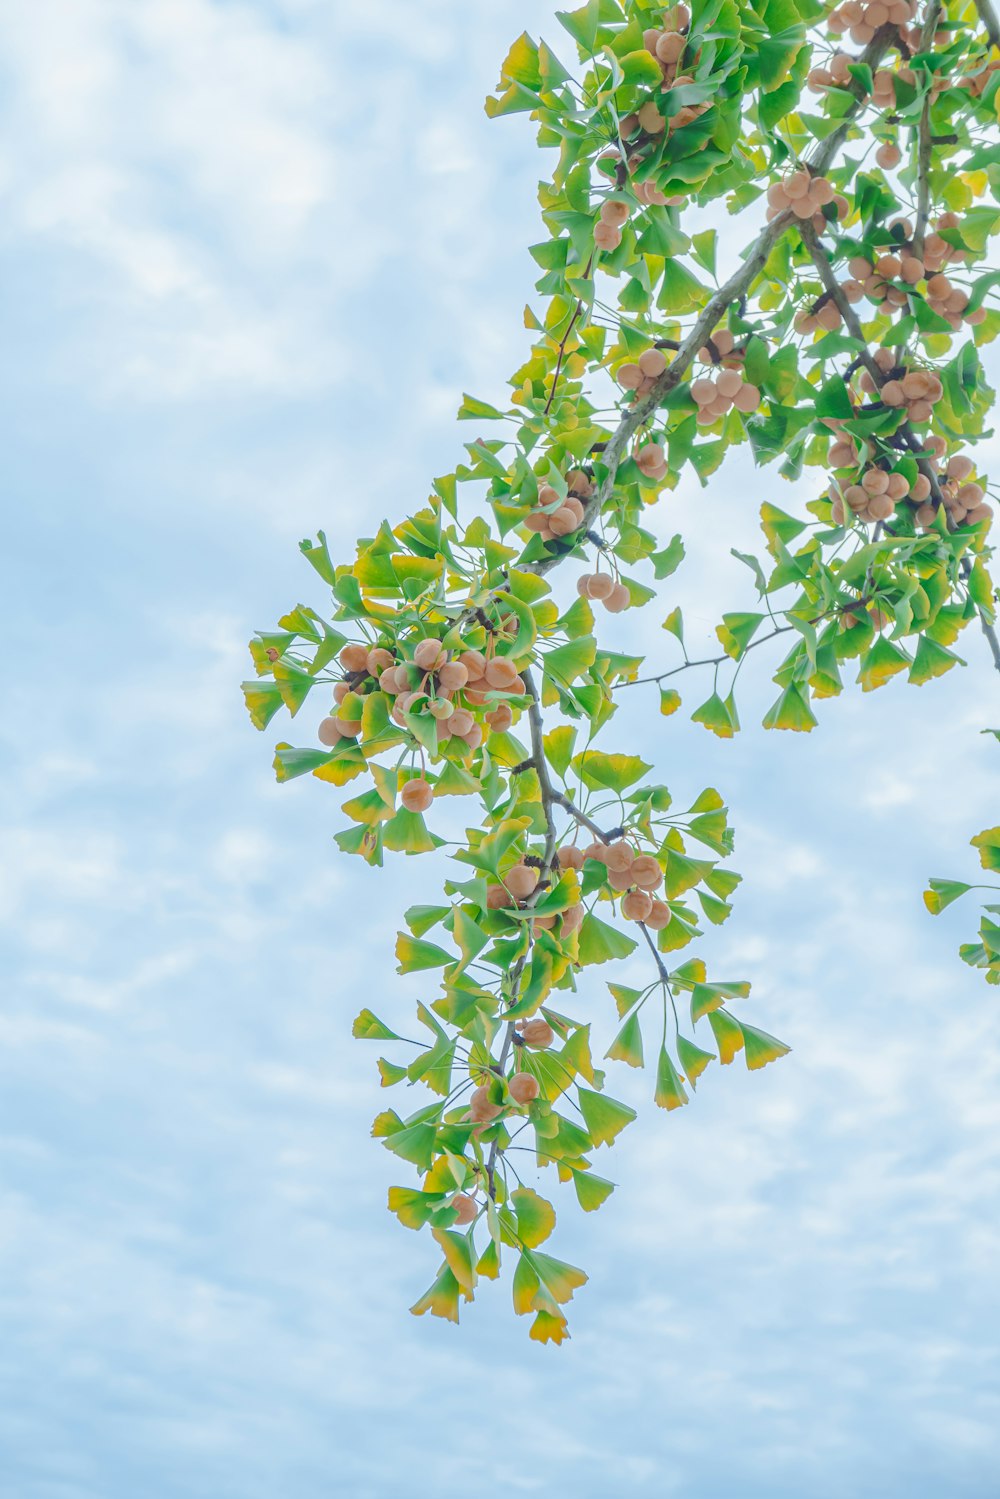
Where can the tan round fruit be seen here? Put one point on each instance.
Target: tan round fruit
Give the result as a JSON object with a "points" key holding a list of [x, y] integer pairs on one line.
{"points": [[474, 663], [417, 795], [646, 872], [521, 880], [329, 733], [620, 856], [537, 1033], [652, 363], [572, 918], [637, 905], [614, 212], [500, 718], [601, 584], [460, 721], [354, 658], [428, 654], [497, 898], [453, 676], [563, 521], [480, 1107], [607, 236], [378, 660], [747, 398], [728, 383], [618, 599], [500, 673], [523, 1087], [465, 1209], [659, 916], [570, 857]]}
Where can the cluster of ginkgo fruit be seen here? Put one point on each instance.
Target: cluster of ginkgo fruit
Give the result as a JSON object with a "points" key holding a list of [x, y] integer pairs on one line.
{"points": [[641, 376], [604, 589], [899, 270], [635, 876], [873, 498], [515, 890], [915, 389], [978, 82], [518, 1090], [446, 686], [615, 212], [806, 196], [716, 395], [875, 495], [963, 498], [837, 74], [862, 18], [554, 516], [644, 125]]}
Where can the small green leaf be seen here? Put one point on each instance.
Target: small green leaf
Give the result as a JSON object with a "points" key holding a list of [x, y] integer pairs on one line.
{"points": [[670, 1092], [715, 715], [941, 893], [604, 1117], [761, 1048], [988, 844], [535, 1216], [414, 955], [791, 711], [728, 1035], [692, 1059], [368, 1027], [627, 1045]]}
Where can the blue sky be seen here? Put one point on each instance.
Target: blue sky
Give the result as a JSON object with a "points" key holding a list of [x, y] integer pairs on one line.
{"points": [[250, 255]]}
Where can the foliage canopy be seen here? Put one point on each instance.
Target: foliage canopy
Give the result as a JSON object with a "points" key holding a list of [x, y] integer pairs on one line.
{"points": [[855, 149]]}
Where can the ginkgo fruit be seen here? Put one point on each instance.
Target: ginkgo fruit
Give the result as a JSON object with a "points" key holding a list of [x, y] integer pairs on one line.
{"points": [[523, 1087], [570, 857], [354, 658], [537, 1033], [658, 916], [428, 654], [481, 1107], [637, 905], [417, 795], [466, 1210], [646, 872], [521, 880]]}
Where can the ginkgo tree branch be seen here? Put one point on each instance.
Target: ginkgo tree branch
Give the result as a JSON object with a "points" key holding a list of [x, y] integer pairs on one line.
{"points": [[853, 324], [737, 286], [924, 141], [991, 24], [448, 648]]}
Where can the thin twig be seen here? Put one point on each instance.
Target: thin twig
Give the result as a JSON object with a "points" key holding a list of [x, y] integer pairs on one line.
{"points": [[583, 819], [988, 16], [564, 341], [548, 799], [905, 430], [705, 660], [732, 290], [924, 142]]}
